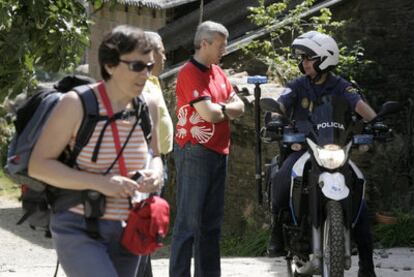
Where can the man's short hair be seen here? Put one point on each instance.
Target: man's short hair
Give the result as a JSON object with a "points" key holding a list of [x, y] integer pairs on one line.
{"points": [[207, 30], [155, 40]]}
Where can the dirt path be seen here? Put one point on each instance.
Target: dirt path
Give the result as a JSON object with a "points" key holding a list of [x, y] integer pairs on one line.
{"points": [[25, 253]]}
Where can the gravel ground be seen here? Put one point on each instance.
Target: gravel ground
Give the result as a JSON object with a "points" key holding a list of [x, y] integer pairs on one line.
{"points": [[25, 253]]}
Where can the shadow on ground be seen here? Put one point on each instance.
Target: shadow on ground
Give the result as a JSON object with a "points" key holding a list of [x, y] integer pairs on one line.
{"points": [[8, 220]]}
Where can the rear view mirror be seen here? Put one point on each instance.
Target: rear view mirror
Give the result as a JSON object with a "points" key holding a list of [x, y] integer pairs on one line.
{"points": [[389, 107], [271, 105]]}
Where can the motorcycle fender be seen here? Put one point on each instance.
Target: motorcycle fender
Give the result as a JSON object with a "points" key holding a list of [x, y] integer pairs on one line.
{"points": [[358, 172], [297, 173], [362, 181], [359, 175], [298, 167], [333, 185]]}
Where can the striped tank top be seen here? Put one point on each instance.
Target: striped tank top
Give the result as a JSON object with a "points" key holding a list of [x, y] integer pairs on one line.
{"points": [[135, 156]]}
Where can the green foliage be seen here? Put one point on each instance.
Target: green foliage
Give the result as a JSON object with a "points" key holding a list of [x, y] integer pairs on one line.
{"points": [[41, 34], [285, 23], [390, 177], [399, 234], [8, 188], [252, 244], [352, 63], [6, 132]]}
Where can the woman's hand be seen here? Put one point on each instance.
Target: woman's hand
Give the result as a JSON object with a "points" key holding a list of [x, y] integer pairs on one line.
{"points": [[151, 181], [119, 186]]}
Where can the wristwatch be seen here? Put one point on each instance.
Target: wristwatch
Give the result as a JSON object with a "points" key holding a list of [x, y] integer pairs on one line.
{"points": [[223, 108]]}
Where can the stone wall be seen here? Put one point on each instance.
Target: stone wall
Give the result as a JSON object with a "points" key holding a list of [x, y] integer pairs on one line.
{"points": [[386, 30], [107, 18]]}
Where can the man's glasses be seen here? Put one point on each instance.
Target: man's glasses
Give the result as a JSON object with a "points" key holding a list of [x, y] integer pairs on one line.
{"points": [[138, 66]]}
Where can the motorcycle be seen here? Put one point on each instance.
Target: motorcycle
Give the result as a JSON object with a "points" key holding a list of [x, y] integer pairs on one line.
{"points": [[327, 188]]}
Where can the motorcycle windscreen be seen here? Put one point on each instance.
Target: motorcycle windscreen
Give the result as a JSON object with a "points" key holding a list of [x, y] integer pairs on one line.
{"points": [[331, 120]]}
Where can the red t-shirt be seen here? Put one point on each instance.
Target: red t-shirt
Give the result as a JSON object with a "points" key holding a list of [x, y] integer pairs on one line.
{"points": [[195, 83]]}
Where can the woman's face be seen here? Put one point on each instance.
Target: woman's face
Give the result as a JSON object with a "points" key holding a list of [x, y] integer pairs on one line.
{"points": [[308, 66], [132, 72]]}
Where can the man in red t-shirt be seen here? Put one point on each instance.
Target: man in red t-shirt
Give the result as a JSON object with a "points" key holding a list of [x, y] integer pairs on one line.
{"points": [[206, 103]]}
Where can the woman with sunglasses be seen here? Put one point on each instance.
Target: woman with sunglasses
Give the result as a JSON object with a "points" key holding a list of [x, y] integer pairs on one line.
{"points": [[126, 61], [318, 55]]}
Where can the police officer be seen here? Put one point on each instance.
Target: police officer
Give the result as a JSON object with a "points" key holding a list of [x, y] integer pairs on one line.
{"points": [[318, 54]]}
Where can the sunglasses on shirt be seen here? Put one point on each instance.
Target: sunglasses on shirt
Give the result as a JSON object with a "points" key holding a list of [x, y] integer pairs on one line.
{"points": [[138, 66]]}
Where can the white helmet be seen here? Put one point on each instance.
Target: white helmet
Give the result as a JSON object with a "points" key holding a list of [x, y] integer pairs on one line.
{"points": [[317, 45]]}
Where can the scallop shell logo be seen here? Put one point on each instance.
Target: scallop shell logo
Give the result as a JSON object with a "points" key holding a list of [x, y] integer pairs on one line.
{"points": [[191, 124]]}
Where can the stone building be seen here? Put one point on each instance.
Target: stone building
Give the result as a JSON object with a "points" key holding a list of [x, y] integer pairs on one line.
{"points": [[175, 20], [146, 14]]}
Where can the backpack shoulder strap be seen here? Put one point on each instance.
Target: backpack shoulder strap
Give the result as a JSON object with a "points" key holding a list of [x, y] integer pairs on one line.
{"points": [[90, 118], [143, 117]]}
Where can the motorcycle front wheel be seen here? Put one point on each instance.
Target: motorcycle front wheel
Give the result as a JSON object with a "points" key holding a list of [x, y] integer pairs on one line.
{"points": [[333, 241]]}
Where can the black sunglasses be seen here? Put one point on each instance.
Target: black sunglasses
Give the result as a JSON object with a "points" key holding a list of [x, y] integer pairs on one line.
{"points": [[138, 66]]}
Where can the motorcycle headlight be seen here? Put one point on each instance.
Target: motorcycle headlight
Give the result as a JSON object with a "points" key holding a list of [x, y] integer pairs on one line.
{"points": [[331, 156]]}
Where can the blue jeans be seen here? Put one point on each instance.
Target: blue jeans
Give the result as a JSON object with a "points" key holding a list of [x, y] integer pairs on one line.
{"points": [[201, 175], [281, 183], [83, 256]]}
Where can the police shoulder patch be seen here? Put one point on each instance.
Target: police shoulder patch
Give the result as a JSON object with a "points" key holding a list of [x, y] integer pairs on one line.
{"points": [[286, 91], [351, 89], [305, 103]]}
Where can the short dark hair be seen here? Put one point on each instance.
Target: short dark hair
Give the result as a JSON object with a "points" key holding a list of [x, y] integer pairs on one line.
{"points": [[121, 40]]}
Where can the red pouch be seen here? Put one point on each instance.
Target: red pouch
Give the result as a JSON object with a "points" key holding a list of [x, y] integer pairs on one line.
{"points": [[147, 225]]}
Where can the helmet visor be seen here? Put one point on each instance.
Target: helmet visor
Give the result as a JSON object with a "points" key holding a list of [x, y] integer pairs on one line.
{"points": [[301, 52]]}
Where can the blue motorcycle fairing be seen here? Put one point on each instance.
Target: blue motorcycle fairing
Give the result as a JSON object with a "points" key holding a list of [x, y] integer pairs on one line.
{"points": [[363, 139], [294, 138]]}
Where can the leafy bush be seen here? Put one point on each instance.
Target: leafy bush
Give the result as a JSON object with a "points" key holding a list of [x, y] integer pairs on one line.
{"points": [[285, 24], [399, 234], [252, 244], [6, 132], [8, 188], [389, 177], [48, 34], [41, 34]]}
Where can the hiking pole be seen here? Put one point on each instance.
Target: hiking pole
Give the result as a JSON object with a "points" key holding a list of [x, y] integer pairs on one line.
{"points": [[57, 268], [257, 81]]}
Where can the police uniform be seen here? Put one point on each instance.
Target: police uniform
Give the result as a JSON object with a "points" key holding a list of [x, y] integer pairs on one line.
{"points": [[299, 99], [301, 95]]}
